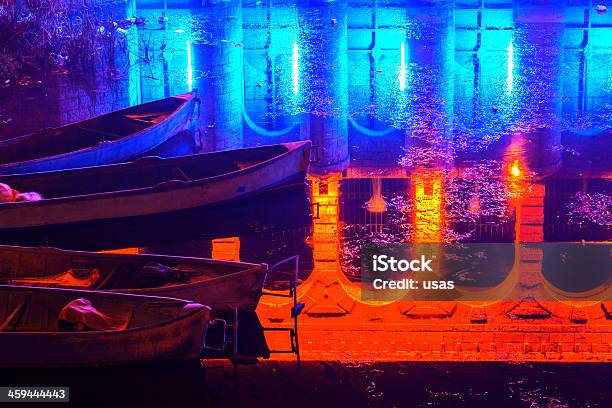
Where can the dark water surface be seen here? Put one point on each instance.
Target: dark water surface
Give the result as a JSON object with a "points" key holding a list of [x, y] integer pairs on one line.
{"points": [[332, 384]]}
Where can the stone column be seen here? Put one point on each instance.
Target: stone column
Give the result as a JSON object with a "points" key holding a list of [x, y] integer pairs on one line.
{"points": [[218, 63], [428, 111], [430, 58], [323, 86], [538, 52]]}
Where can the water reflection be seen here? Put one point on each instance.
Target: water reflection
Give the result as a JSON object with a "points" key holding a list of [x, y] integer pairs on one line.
{"points": [[446, 141], [433, 121], [468, 132]]}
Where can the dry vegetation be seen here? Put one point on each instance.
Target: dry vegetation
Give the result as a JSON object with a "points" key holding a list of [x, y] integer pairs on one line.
{"points": [[38, 36]]}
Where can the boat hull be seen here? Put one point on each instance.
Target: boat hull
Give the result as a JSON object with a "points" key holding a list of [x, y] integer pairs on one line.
{"points": [[179, 338], [117, 151], [222, 294], [231, 284], [168, 197], [231, 218]]}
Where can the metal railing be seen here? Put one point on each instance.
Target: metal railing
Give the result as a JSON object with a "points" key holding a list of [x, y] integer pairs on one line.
{"points": [[230, 328]]}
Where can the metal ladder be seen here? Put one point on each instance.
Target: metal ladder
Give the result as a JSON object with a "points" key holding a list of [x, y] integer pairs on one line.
{"points": [[230, 329], [296, 308]]}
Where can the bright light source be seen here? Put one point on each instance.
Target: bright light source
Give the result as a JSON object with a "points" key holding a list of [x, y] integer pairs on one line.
{"points": [[402, 69], [189, 66], [295, 68], [510, 74], [179, 31], [515, 169]]}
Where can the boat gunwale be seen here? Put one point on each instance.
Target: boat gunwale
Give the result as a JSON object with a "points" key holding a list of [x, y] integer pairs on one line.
{"points": [[291, 147], [193, 285], [247, 268], [185, 312], [68, 252], [109, 143]]}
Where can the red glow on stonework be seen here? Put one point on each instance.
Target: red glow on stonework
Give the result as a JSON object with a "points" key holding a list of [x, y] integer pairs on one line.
{"points": [[337, 325], [227, 249], [428, 196]]}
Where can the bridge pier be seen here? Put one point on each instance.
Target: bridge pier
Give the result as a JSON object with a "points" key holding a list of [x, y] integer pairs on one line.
{"points": [[430, 53], [323, 87], [219, 77], [538, 51]]}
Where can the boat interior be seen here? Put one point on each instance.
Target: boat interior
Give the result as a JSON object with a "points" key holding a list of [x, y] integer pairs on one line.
{"points": [[20, 266], [24, 309], [85, 134], [142, 173]]}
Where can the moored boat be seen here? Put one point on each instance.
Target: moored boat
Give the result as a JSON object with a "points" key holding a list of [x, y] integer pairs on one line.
{"points": [[34, 328], [112, 138], [150, 186], [221, 285]]}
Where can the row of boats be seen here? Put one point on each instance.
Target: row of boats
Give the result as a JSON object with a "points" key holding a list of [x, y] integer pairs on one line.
{"points": [[165, 318], [76, 308]]}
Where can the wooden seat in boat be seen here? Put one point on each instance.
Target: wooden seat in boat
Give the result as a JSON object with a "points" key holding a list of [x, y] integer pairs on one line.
{"points": [[148, 119]]}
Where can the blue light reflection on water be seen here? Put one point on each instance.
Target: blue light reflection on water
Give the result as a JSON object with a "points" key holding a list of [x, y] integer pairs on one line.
{"points": [[426, 85], [500, 81]]}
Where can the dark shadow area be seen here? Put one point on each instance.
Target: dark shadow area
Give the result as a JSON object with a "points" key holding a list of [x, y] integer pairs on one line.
{"points": [[331, 384]]}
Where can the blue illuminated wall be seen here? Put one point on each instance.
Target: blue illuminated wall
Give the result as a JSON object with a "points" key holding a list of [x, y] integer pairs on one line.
{"points": [[488, 89]]}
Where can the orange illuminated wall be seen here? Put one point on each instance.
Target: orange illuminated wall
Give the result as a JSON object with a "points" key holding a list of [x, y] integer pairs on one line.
{"points": [[337, 325], [227, 249], [428, 197], [325, 199]]}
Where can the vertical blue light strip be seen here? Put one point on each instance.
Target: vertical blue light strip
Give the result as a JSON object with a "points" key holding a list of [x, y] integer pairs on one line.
{"points": [[189, 67], [402, 69], [295, 68], [510, 74]]}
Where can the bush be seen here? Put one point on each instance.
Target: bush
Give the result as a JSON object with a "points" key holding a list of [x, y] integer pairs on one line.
{"points": [[38, 35]]}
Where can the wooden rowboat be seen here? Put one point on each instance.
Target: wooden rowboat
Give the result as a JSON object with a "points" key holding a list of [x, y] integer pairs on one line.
{"points": [[150, 186], [218, 284], [154, 329], [112, 138]]}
